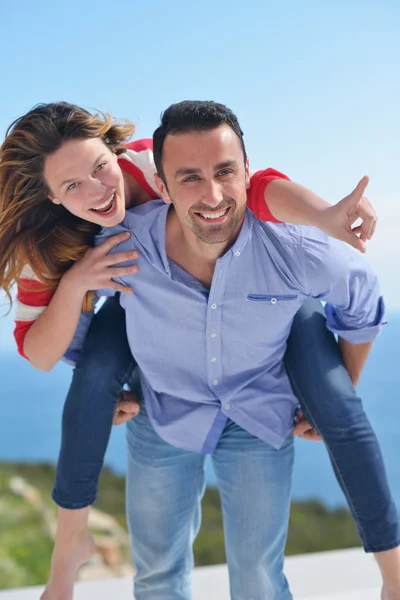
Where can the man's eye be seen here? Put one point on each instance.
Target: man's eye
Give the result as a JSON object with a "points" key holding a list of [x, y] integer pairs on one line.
{"points": [[191, 178], [100, 166], [225, 172]]}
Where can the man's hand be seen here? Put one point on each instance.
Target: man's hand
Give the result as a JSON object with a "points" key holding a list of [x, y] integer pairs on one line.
{"points": [[128, 408], [304, 430], [340, 218]]}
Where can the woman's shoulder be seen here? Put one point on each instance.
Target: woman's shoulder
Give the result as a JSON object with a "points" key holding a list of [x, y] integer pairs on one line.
{"points": [[138, 161], [136, 219]]}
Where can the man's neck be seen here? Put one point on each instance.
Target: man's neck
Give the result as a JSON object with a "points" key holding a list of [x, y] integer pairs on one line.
{"points": [[134, 193], [190, 252]]}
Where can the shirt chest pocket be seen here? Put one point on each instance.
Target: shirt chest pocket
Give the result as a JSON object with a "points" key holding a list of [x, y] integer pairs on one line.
{"points": [[271, 298], [269, 317]]}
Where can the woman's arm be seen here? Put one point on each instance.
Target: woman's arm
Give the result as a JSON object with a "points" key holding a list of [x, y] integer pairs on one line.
{"points": [[293, 203], [273, 197], [49, 336]]}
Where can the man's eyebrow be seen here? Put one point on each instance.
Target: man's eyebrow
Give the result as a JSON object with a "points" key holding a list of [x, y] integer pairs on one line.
{"points": [[93, 166], [194, 171], [226, 164], [187, 171]]}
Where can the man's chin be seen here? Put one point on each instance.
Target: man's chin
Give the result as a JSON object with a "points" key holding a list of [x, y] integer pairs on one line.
{"points": [[217, 234], [215, 237]]}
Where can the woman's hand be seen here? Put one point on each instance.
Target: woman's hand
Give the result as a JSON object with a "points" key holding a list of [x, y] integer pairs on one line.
{"points": [[340, 218], [96, 269], [292, 203]]}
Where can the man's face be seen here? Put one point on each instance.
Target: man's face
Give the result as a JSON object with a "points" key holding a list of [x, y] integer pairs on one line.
{"points": [[207, 179]]}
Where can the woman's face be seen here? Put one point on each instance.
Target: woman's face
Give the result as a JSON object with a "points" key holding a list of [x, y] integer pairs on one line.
{"points": [[84, 176]]}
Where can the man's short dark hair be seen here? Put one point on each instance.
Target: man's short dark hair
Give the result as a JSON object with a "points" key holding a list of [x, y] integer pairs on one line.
{"points": [[192, 115]]}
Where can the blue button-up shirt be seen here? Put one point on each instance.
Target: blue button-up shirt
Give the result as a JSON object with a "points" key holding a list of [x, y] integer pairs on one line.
{"points": [[206, 355]]}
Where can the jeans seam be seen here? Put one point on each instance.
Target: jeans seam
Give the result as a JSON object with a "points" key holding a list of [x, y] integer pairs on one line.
{"points": [[128, 372], [345, 486], [200, 472]]}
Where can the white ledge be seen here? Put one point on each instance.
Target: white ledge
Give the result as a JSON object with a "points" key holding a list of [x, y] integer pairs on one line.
{"points": [[339, 575]]}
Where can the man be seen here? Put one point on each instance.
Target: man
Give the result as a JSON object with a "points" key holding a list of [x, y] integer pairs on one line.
{"points": [[223, 288]]}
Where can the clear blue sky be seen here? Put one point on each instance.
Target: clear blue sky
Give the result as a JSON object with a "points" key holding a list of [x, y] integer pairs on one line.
{"points": [[316, 85]]}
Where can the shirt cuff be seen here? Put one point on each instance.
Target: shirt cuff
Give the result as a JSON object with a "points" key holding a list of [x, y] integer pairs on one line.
{"points": [[356, 332]]}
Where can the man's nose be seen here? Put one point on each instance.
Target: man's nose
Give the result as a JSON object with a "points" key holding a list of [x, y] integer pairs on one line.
{"points": [[214, 195]]}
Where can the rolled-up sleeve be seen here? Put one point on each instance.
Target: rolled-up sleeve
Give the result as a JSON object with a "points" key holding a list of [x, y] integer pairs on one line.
{"points": [[356, 332], [336, 273]]}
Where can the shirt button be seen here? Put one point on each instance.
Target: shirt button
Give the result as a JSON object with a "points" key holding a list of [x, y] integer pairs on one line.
{"points": [[273, 300], [213, 359], [213, 306], [227, 406], [213, 335], [215, 382], [237, 253]]}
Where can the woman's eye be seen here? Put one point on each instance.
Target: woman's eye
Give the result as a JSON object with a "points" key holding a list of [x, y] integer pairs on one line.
{"points": [[71, 186], [100, 166]]}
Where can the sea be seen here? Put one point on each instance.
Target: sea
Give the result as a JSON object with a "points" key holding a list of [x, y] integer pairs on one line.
{"points": [[31, 404]]}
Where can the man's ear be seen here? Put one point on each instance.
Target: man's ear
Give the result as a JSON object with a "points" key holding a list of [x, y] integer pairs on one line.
{"points": [[247, 171], [162, 188]]}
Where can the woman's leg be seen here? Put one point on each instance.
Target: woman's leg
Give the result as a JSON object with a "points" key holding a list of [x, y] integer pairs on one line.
{"points": [[329, 401], [106, 363]]}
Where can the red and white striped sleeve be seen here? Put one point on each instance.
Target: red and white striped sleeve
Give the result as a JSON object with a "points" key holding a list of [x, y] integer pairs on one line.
{"points": [[32, 300], [255, 194], [138, 160]]}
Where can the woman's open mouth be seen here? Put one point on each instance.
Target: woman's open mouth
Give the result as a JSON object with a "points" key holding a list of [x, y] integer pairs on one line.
{"points": [[107, 208]]}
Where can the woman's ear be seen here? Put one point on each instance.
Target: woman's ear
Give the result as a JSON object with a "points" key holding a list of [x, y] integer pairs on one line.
{"points": [[53, 200], [162, 188]]}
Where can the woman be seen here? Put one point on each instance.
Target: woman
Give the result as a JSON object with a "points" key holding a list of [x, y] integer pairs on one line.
{"points": [[48, 219]]}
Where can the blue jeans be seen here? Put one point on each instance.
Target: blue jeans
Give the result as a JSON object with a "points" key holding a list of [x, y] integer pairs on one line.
{"points": [[324, 389], [105, 365], [319, 379], [164, 489]]}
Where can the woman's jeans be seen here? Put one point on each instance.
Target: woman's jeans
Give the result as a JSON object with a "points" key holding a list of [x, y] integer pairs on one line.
{"points": [[318, 377]]}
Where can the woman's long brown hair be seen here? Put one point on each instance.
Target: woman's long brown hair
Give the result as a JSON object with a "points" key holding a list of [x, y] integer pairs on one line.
{"points": [[33, 230]]}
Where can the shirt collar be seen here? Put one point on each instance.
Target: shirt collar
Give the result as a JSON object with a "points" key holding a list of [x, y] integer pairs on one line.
{"points": [[236, 248]]}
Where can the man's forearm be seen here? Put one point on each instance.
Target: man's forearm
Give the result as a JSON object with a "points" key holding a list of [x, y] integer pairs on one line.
{"points": [[354, 357], [293, 203]]}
